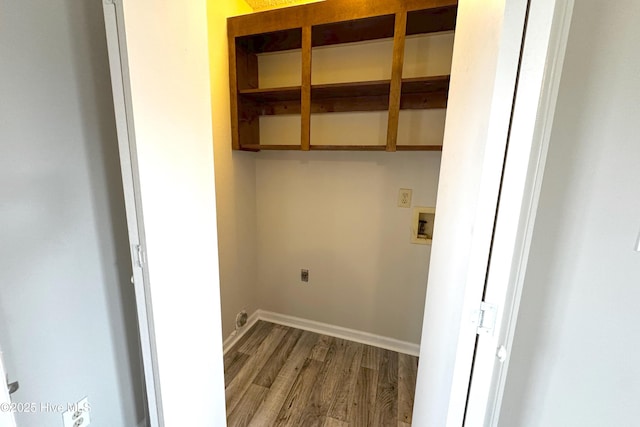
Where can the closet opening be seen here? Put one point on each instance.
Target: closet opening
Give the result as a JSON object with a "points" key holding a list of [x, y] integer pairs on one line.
{"points": [[327, 159]]}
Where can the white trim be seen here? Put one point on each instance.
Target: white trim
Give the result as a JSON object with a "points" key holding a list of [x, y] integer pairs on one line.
{"points": [[560, 25], [118, 66], [233, 338], [340, 332], [322, 328]]}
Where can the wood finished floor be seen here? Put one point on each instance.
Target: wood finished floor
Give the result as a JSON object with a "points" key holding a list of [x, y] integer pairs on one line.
{"points": [[281, 376]]}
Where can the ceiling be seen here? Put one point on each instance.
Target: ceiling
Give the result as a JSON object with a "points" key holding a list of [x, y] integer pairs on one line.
{"points": [[272, 4]]}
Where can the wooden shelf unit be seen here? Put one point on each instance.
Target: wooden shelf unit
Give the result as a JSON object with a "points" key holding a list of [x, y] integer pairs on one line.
{"points": [[329, 23]]}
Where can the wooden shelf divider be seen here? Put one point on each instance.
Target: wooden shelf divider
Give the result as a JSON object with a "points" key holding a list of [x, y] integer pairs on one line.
{"points": [[395, 91], [233, 89], [305, 101]]}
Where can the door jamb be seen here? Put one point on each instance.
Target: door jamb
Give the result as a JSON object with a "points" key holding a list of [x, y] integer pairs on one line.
{"points": [[534, 109], [118, 64], [481, 100], [531, 163]]}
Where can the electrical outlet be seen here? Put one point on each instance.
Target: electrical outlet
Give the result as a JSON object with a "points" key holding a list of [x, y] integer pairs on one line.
{"points": [[304, 275], [77, 414], [404, 197]]}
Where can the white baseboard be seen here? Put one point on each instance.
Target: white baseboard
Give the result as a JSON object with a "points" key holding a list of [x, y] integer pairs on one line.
{"points": [[340, 332], [238, 333]]}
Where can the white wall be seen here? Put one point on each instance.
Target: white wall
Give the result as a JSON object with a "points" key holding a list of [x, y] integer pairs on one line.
{"points": [[170, 91], [336, 214], [235, 179], [68, 314], [575, 354]]}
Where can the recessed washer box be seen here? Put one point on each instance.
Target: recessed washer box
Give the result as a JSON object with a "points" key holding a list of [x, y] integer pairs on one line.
{"points": [[422, 225]]}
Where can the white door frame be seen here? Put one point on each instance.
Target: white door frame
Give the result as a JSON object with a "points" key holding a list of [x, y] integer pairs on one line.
{"points": [[484, 71], [525, 79], [534, 107], [116, 45]]}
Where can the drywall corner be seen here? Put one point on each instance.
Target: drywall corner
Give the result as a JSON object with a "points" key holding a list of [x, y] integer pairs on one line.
{"points": [[235, 179]]}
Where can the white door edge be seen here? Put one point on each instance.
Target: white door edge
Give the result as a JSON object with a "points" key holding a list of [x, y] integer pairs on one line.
{"points": [[541, 68], [483, 82], [116, 46], [513, 26]]}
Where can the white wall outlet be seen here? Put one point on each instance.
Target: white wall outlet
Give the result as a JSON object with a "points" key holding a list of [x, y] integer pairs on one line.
{"points": [[404, 197], [78, 414]]}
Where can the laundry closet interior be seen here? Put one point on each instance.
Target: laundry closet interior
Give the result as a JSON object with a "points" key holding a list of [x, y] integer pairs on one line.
{"points": [[327, 156]]}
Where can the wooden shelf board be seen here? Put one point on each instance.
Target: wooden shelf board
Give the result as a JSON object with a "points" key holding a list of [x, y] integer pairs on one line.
{"points": [[276, 94], [423, 101], [418, 147], [322, 13], [258, 147], [380, 87], [425, 84], [431, 20], [274, 41], [417, 101], [377, 27], [357, 30], [417, 94], [347, 147], [351, 89]]}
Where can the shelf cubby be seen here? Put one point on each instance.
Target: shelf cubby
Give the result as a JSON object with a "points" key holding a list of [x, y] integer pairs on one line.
{"points": [[301, 29]]}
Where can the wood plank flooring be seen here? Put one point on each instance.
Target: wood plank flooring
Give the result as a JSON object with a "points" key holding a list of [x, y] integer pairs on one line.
{"points": [[281, 376]]}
